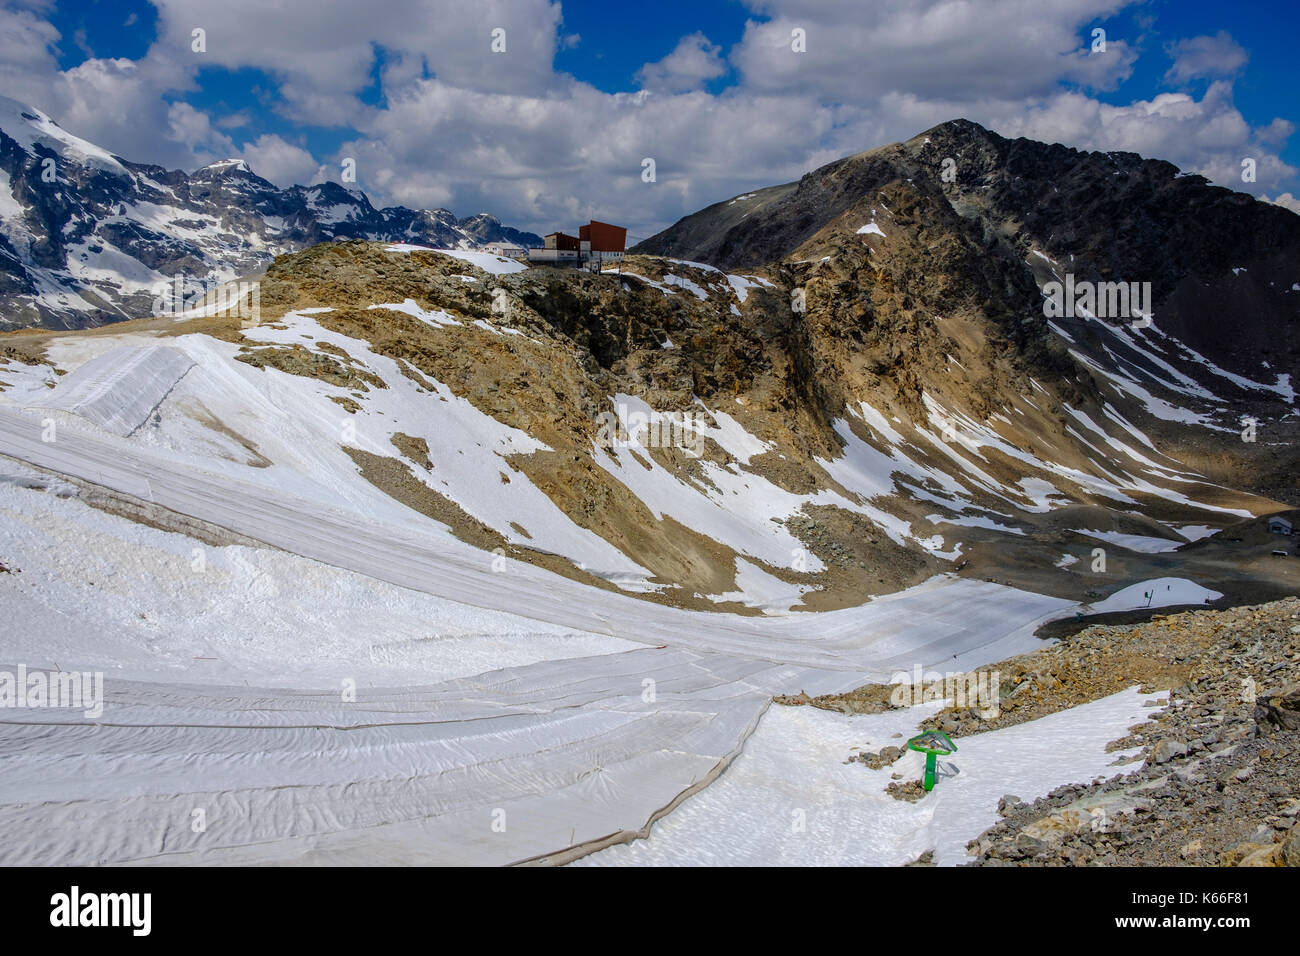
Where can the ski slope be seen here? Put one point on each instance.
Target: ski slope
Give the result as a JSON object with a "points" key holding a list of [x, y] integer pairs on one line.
{"points": [[565, 753]]}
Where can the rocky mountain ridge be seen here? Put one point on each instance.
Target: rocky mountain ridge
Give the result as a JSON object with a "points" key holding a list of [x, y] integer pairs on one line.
{"points": [[959, 217]]}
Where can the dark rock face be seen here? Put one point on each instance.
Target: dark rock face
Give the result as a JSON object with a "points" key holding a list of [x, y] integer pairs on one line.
{"points": [[86, 236], [1222, 264]]}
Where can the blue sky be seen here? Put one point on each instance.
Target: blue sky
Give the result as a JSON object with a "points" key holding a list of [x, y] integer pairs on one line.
{"points": [[557, 126]]}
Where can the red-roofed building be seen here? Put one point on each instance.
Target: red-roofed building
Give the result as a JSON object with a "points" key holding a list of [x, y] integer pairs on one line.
{"points": [[596, 242]]}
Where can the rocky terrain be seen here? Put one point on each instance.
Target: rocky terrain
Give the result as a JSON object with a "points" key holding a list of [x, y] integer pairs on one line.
{"points": [[86, 237], [1220, 781], [1110, 215]]}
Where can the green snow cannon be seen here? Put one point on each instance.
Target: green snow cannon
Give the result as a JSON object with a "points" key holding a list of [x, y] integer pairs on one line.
{"points": [[932, 743]]}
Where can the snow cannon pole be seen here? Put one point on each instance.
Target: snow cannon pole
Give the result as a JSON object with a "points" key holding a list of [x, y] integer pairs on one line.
{"points": [[932, 743]]}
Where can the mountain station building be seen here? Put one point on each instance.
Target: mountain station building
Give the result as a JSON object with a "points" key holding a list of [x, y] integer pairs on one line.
{"points": [[596, 243]]}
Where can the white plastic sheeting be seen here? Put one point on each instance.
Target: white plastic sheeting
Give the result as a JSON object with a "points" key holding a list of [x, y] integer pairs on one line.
{"points": [[118, 390], [496, 769], [534, 761]]}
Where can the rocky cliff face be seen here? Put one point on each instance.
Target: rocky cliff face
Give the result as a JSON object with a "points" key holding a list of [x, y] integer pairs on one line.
{"points": [[86, 236]]}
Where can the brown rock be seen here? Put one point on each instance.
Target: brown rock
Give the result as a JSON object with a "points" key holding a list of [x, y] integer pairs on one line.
{"points": [[1265, 856], [1291, 847]]}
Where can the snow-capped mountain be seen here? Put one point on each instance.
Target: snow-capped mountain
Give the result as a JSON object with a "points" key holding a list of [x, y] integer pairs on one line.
{"points": [[85, 235]]}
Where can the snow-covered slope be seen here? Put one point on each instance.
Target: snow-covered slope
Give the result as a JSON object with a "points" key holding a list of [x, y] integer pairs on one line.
{"points": [[791, 799], [304, 713]]}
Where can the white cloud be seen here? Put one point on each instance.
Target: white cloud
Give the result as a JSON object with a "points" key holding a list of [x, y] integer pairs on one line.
{"points": [[543, 162], [283, 163], [693, 62], [323, 53], [1207, 136], [26, 45], [945, 49], [1286, 201], [1205, 56]]}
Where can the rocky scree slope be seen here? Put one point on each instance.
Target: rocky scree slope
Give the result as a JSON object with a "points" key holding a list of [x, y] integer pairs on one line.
{"points": [[1219, 783]]}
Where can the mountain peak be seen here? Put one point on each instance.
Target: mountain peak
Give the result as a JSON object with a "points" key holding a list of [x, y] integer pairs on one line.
{"points": [[28, 126], [224, 166], [956, 125]]}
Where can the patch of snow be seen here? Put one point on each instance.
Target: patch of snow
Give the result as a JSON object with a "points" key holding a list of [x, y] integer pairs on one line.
{"points": [[1157, 592]]}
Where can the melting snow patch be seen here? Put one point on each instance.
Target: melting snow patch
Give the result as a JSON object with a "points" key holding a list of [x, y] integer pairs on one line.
{"points": [[412, 308], [496, 265], [974, 521], [1158, 592], [685, 283], [758, 588]]}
